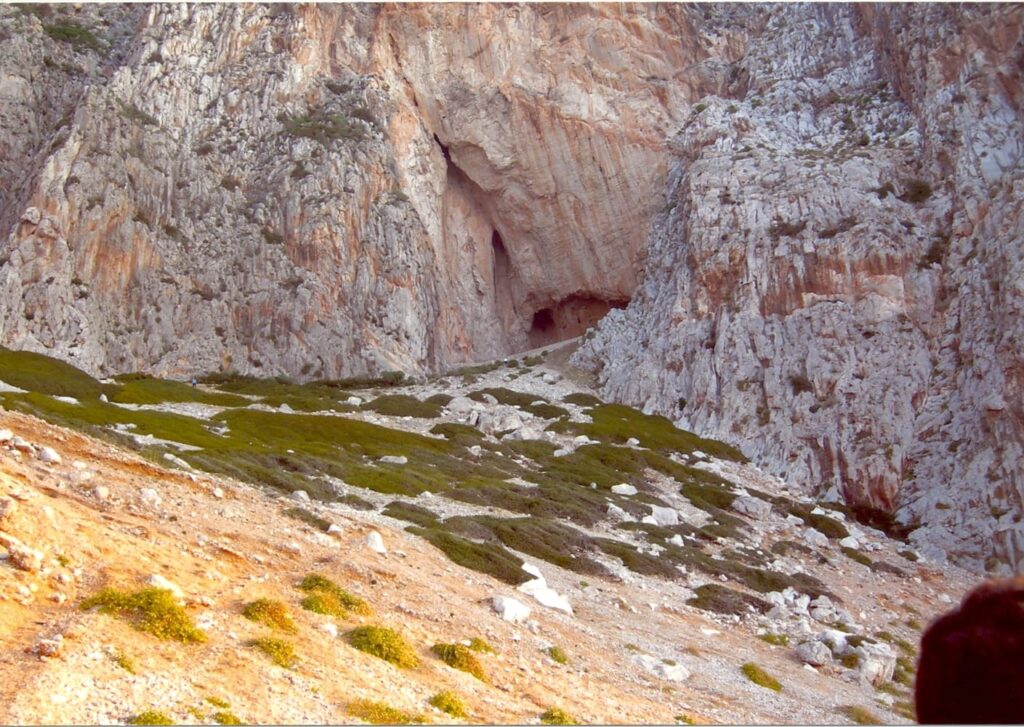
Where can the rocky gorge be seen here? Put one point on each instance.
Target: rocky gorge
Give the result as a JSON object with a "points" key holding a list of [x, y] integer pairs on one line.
{"points": [[793, 228]]}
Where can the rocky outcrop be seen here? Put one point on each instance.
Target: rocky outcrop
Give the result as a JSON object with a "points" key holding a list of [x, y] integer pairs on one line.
{"points": [[835, 281], [330, 190]]}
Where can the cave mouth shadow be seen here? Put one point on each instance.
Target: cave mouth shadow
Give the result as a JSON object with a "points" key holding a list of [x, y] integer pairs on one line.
{"points": [[569, 317]]}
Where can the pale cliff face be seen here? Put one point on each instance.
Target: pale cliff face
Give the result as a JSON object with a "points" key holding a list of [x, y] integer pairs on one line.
{"points": [[815, 211], [488, 187], [853, 334]]}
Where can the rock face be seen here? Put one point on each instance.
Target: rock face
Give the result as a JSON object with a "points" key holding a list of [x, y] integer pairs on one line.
{"points": [[325, 190], [835, 283], [812, 212]]}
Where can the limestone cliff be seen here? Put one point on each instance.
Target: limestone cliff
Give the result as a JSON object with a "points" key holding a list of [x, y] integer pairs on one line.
{"points": [[835, 281], [329, 190]]}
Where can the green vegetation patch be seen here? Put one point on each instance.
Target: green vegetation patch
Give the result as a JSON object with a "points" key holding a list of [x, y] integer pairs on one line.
{"points": [[489, 558], [775, 639], [328, 598], [637, 561], [458, 433], [151, 717], [144, 389], [270, 613], [557, 654], [74, 34], [280, 652], [616, 423], [532, 403], [760, 677], [785, 547], [719, 599], [45, 375], [857, 556], [708, 497], [411, 513], [554, 715], [909, 555], [125, 662], [449, 703], [860, 715], [218, 702], [311, 519], [384, 644], [582, 399], [381, 713], [322, 127], [152, 610], [506, 397], [460, 657], [905, 708], [548, 540], [481, 646], [226, 717], [822, 523]]}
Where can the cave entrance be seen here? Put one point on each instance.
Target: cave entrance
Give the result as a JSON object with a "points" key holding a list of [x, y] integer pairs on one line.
{"points": [[569, 317]]}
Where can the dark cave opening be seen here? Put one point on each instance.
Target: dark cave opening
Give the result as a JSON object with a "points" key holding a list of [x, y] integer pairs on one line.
{"points": [[543, 322], [569, 317]]}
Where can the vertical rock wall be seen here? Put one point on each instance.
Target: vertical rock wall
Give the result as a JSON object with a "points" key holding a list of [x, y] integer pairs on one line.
{"points": [[836, 282]]}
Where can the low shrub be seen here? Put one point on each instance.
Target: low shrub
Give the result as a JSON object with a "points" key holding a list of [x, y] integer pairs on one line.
{"points": [[449, 703], [384, 644], [719, 599], [280, 652], [860, 715], [322, 127], [460, 657], [328, 598], [380, 713], [270, 613], [554, 715], [760, 677], [582, 399], [225, 717], [125, 662], [557, 654], [857, 556], [151, 717], [153, 610], [916, 191], [775, 639], [480, 646], [77, 35], [403, 405]]}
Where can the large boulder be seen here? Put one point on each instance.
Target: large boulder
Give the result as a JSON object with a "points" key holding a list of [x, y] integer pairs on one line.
{"points": [[499, 419], [510, 609], [461, 405], [752, 507], [814, 653], [877, 663], [667, 671]]}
